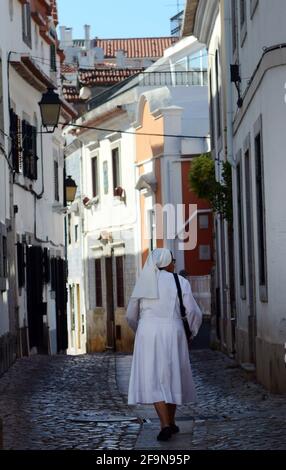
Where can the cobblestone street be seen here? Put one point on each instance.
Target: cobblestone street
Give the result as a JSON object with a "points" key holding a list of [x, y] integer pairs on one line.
{"points": [[63, 402], [68, 402]]}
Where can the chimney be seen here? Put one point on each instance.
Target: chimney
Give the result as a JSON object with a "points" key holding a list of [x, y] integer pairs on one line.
{"points": [[87, 36], [120, 58], [66, 37], [62, 33]]}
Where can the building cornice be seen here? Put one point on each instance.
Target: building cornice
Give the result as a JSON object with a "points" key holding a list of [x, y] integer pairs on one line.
{"points": [[272, 58], [98, 120], [32, 73], [189, 17], [206, 15]]}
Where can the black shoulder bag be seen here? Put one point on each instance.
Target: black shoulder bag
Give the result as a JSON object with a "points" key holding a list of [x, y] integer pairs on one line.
{"points": [[183, 309]]}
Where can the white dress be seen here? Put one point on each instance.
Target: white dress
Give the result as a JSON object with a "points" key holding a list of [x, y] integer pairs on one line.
{"points": [[161, 369]]}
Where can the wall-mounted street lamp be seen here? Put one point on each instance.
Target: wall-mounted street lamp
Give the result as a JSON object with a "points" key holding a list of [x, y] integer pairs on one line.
{"points": [[236, 79], [50, 106], [70, 188]]}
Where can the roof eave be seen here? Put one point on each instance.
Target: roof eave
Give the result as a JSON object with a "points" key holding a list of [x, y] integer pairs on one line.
{"points": [[189, 18]]}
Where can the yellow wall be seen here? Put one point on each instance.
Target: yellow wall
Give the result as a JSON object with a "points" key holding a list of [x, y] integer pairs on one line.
{"points": [[148, 146]]}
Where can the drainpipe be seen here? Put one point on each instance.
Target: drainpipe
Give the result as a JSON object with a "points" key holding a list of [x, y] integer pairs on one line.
{"points": [[230, 150]]}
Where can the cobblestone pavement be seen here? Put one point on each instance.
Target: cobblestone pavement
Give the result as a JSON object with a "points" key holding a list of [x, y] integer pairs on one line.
{"points": [[232, 412], [64, 402], [67, 402]]}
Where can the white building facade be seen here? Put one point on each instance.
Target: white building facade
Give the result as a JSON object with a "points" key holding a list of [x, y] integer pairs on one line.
{"points": [[34, 294], [109, 203], [250, 104]]}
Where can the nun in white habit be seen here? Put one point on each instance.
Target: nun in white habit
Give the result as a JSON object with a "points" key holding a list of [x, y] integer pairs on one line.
{"points": [[161, 370]]}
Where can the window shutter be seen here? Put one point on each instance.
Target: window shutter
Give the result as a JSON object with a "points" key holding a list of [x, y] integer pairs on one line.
{"points": [[25, 148], [23, 22], [56, 181], [53, 62], [16, 136], [28, 19], [53, 274], [98, 283], [29, 144], [46, 266], [120, 281], [4, 257], [34, 157]]}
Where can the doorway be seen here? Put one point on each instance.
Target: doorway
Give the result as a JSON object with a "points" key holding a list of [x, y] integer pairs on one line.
{"points": [[110, 334], [36, 309]]}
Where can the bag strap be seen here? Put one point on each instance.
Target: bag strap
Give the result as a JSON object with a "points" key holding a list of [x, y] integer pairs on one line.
{"points": [[182, 307]]}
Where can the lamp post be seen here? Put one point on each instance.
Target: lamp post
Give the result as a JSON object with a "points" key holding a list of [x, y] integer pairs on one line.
{"points": [[70, 189], [50, 106]]}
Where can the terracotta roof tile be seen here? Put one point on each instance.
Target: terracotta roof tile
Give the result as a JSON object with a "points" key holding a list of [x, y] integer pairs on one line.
{"points": [[66, 68], [71, 94], [105, 76], [135, 47], [97, 77]]}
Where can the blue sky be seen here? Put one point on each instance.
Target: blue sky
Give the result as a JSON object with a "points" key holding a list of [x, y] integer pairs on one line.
{"points": [[118, 18]]}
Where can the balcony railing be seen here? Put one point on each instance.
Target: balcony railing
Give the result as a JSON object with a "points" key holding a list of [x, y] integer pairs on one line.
{"points": [[177, 78]]}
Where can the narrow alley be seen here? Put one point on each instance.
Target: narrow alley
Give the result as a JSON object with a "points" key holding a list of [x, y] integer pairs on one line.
{"points": [[67, 402]]}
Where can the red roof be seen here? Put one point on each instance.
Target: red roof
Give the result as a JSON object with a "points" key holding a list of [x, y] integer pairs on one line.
{"points": [[136, 47], [66, 68], [71, 94], [97, 77], [105, 76]]}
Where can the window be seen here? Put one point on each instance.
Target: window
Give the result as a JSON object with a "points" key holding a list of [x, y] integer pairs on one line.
{"points": [[46, 266], [72, 308], [234, 24], [69, 229], [260, 211], [105, 177], [76, 233], [197, 63], [203, 221], [240, 229], [115, 168], [36, 34], [11, 9], [212, 113], [94, 176], [98, 283], [4, 257], [120, 281], [204, 252], [218, 104], [16, 139], [243, 27], [151, 229], [56, 181], [29, 150], [53, 58], [26, 24], [253, 6]]}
